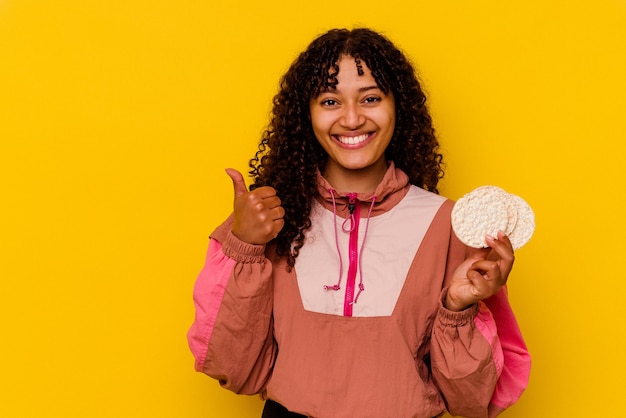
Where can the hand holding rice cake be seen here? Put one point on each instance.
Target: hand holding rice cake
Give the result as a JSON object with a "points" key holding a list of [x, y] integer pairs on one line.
{"points": [[489, 209]]}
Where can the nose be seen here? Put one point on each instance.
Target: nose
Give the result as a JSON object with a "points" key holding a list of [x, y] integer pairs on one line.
{"points": [[352, 117]]}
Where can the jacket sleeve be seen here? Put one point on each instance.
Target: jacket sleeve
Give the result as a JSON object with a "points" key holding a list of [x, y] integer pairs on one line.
{"points": [[465, 358], [516, 360], [231, 337], [478, 357], [465, 354]]}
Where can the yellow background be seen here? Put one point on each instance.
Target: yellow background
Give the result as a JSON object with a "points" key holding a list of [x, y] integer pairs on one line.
{"points": [[118, 117]]}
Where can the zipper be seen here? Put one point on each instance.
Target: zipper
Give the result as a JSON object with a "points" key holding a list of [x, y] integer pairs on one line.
{"points": [[353, 253]]}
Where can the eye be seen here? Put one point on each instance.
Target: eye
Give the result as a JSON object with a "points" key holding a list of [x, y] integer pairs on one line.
{"points": [[328, 102], [372, 99]]}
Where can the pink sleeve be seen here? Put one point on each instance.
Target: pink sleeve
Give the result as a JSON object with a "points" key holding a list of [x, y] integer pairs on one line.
{"points": [[516, 371], [207, 296], [484, 322], [503, 347], [232, 334]]}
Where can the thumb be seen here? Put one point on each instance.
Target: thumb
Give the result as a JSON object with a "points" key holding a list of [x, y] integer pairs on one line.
{"points": [[238, 184], [476, 254]]}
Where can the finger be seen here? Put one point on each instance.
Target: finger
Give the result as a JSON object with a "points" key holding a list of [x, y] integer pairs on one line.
{"points": [[278, 225], [272, 202], [487, 268], [502, 247], [239, 185], [485, 278], [478, 282], [278, 213], [265, 192], [504, 239], [274, 229], [475, 254]]}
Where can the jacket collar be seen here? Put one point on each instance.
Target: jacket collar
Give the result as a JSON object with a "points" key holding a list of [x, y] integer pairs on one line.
{"points": [[392, 188]]}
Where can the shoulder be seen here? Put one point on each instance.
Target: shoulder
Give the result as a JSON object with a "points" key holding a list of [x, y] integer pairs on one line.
{"points": [[419, 197]]}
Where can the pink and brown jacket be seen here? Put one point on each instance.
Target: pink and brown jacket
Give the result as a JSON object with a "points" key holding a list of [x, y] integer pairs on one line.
{"points": [[357, 329]]}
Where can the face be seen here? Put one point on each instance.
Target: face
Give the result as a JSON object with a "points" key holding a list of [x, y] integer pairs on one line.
{"points": [[354, 123]]}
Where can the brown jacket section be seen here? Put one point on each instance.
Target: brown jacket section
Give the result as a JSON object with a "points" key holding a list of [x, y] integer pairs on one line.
{"points": [[416, 363]]}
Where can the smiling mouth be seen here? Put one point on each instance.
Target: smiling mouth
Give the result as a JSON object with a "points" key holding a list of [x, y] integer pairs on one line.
{"points": [[352, 140]]}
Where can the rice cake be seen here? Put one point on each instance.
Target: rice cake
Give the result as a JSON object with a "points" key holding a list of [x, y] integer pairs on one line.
{"points": [[489, 209], [525, 226], [481, 212]]}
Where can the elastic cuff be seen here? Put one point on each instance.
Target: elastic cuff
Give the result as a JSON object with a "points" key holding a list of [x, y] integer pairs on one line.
{"points": [[241, 251], [452, 318]]}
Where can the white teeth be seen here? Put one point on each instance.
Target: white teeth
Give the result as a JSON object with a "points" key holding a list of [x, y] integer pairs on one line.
{"points": [[352, 140]]}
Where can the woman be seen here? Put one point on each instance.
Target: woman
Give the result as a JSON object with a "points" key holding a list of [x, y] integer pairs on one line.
{"points": [[337, 287]]}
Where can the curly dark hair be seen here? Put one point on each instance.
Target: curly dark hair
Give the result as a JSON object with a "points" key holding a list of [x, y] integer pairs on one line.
{"points": [[289, 154]]}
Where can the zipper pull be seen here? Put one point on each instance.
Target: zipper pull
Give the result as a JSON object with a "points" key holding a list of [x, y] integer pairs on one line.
{"points": [[351, 202], [350, 219]]}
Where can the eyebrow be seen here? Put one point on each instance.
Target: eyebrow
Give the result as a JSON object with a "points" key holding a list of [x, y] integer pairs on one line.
{"points": [[361, 90], [364, 89]]}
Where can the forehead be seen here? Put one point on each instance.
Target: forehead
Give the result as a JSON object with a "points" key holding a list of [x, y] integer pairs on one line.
{"points": [[352, 64], [348, 70]]}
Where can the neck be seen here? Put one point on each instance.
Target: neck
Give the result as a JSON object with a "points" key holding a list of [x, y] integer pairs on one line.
{"points": [[363, 180]]}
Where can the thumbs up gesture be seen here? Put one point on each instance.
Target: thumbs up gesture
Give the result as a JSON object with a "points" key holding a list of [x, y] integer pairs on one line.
{"points": [[258, 215]]}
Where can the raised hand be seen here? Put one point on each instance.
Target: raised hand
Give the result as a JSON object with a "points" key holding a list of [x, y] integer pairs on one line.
{"points": [[258, 215], [482, 274]]}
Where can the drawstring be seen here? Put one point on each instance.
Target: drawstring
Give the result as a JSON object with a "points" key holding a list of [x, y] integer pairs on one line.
{"points": [[338, 285], [350, 219], [367, 224], [351, 203]]}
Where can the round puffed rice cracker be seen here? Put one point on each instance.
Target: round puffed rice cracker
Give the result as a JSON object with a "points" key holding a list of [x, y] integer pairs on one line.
{"points": [[525, 225], [512, 215], [483, 211], [500, 194]]}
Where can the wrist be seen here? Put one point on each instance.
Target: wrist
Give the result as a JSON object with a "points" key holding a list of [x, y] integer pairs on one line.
{"points": [[452, 303], [242, 251], [450, 318]]}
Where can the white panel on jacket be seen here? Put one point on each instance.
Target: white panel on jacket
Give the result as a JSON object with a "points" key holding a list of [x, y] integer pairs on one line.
{"points": [[392, 241]]}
